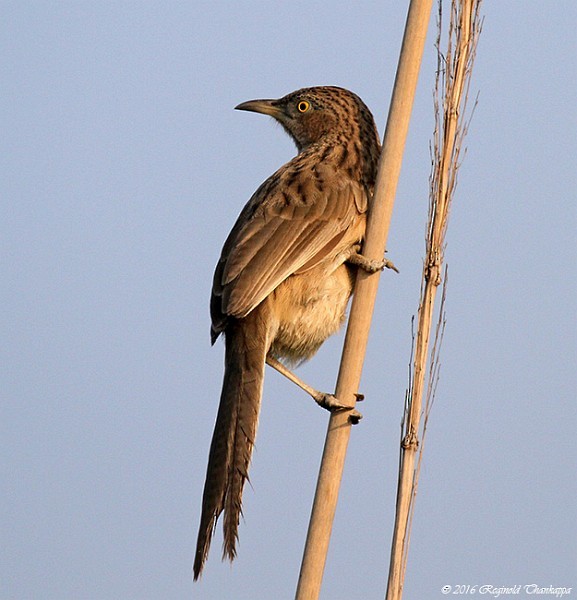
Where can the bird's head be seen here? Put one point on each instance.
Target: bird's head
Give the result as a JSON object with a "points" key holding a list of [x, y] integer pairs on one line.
{"points": [[323, 113]]}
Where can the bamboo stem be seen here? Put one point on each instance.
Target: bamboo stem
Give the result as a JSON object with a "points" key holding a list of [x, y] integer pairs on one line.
{"points": [[338, 433], [449, 132]]}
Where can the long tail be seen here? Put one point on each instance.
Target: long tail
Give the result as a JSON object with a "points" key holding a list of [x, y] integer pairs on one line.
{"points": [[234, 434]]}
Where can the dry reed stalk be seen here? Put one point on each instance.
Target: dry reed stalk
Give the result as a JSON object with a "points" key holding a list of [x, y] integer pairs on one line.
{"points": [[338, 433], [452, 83]]}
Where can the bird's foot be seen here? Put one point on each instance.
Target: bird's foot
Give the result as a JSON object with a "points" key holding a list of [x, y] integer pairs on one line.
{"points": [[326, 401], [332, 404], [370, 265]]}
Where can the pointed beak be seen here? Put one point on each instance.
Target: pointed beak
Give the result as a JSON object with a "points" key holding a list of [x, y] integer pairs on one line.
{"points": [[266, 107]]}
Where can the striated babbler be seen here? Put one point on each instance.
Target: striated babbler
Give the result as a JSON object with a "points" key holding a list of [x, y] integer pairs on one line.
{"points": [[285, 275]]}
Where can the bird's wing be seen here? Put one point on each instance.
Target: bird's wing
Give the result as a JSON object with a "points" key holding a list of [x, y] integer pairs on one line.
{"points": [[280, 235]]}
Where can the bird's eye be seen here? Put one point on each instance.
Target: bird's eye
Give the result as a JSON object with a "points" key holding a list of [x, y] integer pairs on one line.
{"points": [[303, 106]]}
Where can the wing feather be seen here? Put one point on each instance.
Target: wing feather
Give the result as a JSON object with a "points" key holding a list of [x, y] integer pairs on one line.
{"points": [[277, 236]]}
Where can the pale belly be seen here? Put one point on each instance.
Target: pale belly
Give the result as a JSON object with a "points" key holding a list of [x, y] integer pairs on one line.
{"points": [[308, 309]]}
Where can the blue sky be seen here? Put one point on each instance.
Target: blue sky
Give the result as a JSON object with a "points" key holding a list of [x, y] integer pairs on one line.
{"points": [[123, 168]]}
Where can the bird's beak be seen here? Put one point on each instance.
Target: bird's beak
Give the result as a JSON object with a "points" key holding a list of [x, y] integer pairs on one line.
{"points": [[266, 107]]}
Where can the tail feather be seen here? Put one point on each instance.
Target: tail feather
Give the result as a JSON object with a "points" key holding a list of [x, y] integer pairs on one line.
{"points": [[234, 435]]}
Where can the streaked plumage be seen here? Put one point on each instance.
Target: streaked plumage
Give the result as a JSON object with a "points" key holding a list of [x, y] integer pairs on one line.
{"points": [[282, 283]]}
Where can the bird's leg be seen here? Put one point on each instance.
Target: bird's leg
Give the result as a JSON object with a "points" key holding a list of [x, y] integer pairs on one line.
{"points": [[368, 265], [327, 401]]}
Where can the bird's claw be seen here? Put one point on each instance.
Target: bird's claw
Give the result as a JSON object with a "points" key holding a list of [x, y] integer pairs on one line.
{"points": [[355, 416], [389, 264]]}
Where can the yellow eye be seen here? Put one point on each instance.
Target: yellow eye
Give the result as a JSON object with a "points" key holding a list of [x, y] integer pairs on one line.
{"points": [[303, 106]]}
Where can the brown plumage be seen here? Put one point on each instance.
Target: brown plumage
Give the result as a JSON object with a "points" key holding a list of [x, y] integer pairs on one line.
{"points": [[282, 283]]}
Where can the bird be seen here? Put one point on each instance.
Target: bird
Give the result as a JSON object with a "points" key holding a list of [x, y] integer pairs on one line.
{"points": [[285, 275]]}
